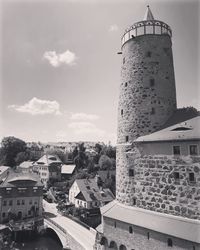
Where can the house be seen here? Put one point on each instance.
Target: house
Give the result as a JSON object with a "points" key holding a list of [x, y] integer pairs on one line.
{"points": [[48, 168], [67, 171], [86, 193], [21, 196], [26, 166]]}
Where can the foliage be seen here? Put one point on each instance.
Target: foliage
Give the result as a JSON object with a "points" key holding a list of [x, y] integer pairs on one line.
{"points": [[105, 162], [61, 155], [11, 147]]}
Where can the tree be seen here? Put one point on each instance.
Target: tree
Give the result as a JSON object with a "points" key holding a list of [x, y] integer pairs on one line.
{"points": [[61, 155], [11, 146], [105, 162], [21, 157]]}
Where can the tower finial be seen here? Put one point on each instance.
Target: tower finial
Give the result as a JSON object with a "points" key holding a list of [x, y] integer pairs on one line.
{"points": [[148, 14]]}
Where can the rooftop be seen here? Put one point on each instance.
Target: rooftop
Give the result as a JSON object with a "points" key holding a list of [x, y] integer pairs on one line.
{"points": [[49, 159], [187, 130], [176, 226], [148, 14], [68, 169], [3, 169], [26, 164], [91, 192]]}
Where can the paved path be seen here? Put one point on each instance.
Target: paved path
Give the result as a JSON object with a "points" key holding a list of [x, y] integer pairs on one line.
{"points": [[82, 235]]}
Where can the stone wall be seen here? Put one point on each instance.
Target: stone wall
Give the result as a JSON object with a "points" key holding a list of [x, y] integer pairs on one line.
{"points": [[155, 184], [140, 238], [147, 91]]}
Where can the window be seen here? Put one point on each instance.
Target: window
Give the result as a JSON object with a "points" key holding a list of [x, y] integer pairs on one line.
{"points": [[152, 82], [122, 112], [148, 235], [134, 201], [124, 60], [148, 53], [3, 215], [130, 230], [126, 84], [29, 212], [127, 138], [153, 111], [4, 203], [23, 202], [10, 202], [193, 150], [176, 150], [115, 224], [193, 248], [18, 202], [191, 177], [131, 172], [176, 176], [169, 242]]}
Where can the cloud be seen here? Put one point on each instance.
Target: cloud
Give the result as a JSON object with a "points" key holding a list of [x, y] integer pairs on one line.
{"points": [[38, 107], [56, 59], [84, 117], [113, 28], [86, 128]]}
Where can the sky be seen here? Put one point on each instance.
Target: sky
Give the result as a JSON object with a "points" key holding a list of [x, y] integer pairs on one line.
{"points": [[60, 71]]}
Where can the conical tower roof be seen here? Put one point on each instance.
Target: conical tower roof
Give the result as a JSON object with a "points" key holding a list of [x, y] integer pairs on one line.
{"points": [[148, 14]]}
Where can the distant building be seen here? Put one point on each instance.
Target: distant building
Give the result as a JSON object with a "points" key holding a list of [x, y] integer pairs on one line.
{"points": [[26, 166], [48, 168], [21, 196], [86, 193], [4, 170], [67, 171], [106, 175]]}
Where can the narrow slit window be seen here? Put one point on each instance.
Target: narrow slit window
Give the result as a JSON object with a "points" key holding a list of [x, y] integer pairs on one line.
{"points": [[176, 175], [134, 201], [148, 54], [126, 84], [148, 235], [169, 242], [191, 177], [131, 172], [122, 112], [152, 82], [127, 138], [124, 60], [130, 230], [153, 111]]}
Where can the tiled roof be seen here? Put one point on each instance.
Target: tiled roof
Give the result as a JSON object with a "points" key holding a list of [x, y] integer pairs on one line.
{"points": [[187, 130], [68, 169], [26, 164], [49, 159], [148, 15], [18, 178], [92, 192], [176, 226], [3, 169]]}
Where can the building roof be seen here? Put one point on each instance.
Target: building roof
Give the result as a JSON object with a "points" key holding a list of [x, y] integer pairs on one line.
{"points": [[26, 164], [16, 178], [3, 169], [48, 159], [176, 226], [187, 130], [148, 14], [91, 191], [68, 169]]}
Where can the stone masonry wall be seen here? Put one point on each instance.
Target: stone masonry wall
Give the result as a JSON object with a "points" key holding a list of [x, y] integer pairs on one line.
{"points": [[154, 185], [147, 91], [140, 238]]}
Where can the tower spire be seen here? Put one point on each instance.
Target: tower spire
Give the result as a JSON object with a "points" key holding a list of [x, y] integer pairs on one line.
{"points": [[148, 14]]}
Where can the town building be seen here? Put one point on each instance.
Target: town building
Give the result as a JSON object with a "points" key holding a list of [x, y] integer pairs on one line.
{"points": [[21, 196], [48, 168], [67, 171], [26, 166], [86, 193], [157, 202]]}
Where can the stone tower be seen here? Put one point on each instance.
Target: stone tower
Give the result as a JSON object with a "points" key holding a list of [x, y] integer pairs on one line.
{"points": [[147, 94]]}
